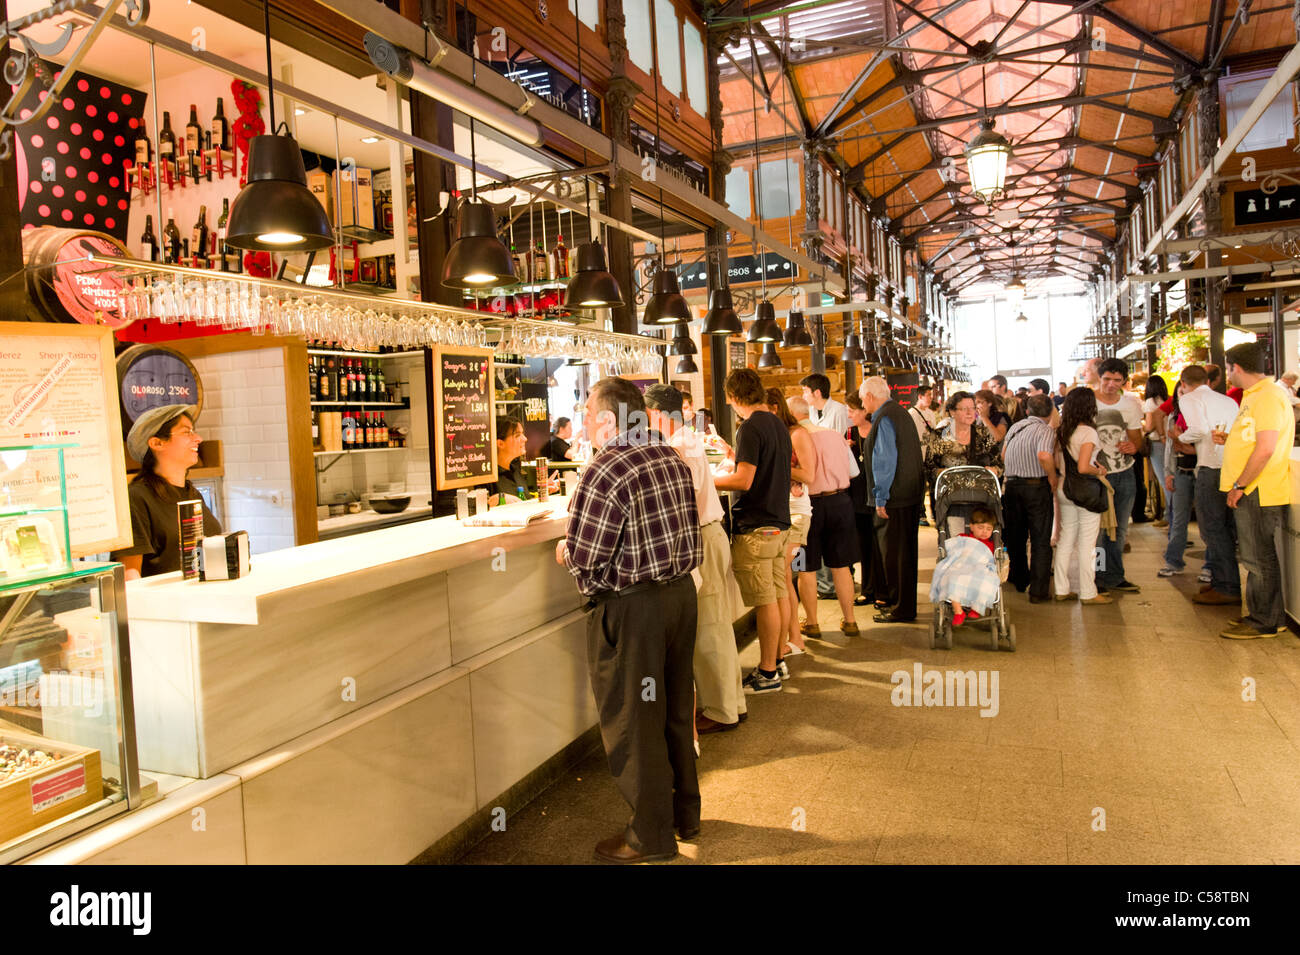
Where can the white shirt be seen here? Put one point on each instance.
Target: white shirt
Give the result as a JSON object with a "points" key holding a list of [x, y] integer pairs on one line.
{"points": [[833, 415], [1202, 409], [1113, 423], [707, 501]]}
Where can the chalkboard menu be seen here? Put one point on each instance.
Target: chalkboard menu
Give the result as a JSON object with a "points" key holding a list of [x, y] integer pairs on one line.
{"points": [[150, 376], [465, 447], [735, 355], [903, 387]]}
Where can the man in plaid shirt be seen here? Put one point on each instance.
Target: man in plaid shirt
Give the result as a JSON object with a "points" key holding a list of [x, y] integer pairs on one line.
{"points": [[632, 541]]}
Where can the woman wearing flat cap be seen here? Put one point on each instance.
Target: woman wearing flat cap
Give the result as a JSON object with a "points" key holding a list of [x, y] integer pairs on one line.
{"points": [[165, 443]]}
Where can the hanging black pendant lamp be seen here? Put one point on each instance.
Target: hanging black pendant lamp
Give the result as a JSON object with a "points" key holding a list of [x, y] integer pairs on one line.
{"points": [[769, 358], [683, 344], [852, 348], [765, 328], [275, 211], [593, 285], [687, 366], [667, 306], [722, 318], [796, 331], [478, 258]]}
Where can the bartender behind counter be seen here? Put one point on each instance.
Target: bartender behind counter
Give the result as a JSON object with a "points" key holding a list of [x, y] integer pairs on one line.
{"points": [[165, 443], [511, 444]]}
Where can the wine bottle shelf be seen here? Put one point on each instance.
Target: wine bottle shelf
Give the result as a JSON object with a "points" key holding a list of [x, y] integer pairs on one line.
{"points": [[360, 404], [366, 354], [508, 402], [357, 451]]}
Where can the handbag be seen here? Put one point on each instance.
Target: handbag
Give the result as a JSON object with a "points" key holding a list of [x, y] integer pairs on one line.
{"points": [[1083, 490]]}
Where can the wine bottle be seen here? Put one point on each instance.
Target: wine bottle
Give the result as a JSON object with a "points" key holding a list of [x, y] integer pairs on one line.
{"points": [[315, 430], [381, 386], [560, 259], [349, 431], [199, 234], [372, 382], [143, 147], [149, 242], [325, 385], [541, 270], [313, 379], [370, 430], [383, 430], [221, 225], [171, 238], [354, 381], [193, 141], [166, 139], [220, 128], [207, 149]]}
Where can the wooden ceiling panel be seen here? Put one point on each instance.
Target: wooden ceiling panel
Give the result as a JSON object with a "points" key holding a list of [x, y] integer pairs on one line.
{"points": [[1263, 31]]}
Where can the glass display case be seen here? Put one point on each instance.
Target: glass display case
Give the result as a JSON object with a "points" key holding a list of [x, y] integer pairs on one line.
{"points": [[67, 727], [34, 538]]}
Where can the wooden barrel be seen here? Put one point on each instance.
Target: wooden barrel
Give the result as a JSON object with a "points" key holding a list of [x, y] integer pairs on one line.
{"points": [[149, 376], [63, 285]]}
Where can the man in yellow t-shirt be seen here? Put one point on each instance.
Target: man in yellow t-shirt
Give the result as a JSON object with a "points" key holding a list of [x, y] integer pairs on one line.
{"points": [[1256, 476]]}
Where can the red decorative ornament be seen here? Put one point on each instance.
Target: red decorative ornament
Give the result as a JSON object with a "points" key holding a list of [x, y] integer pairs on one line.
{"points": [[248, 123], [259, 264]]}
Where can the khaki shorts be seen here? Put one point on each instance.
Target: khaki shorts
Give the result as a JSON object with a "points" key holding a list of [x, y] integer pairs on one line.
{"points": [[799, 524], [759, 562]]}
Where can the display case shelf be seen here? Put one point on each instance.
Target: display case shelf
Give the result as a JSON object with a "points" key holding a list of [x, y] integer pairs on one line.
{"points": [[360, 404], [321, 454]]}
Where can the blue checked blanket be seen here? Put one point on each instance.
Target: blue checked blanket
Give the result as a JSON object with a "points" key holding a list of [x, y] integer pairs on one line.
{"points": [[968, 575]]}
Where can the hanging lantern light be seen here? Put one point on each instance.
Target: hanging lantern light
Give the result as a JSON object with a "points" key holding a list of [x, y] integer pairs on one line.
{"points": [[722, 318], [765, 328], [1022, 317], [769, 358], [986, 162], [1015, 288]]}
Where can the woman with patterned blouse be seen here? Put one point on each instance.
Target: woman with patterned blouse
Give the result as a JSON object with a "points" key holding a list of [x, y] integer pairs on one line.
{"points": [[963, 439]]}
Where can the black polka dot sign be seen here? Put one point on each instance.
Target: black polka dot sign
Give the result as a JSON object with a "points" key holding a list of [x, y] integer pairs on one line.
{"points": [[72, 161]]}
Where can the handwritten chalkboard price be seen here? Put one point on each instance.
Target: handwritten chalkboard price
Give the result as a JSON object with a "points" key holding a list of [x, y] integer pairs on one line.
{"points": [[466, 449]]}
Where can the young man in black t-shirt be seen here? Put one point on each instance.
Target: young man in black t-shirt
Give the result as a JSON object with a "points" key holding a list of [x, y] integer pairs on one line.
{"points": [[760, 519]]}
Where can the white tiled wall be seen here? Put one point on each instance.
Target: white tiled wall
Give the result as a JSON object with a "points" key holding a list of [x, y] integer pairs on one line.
{"points": [[243, 407]]}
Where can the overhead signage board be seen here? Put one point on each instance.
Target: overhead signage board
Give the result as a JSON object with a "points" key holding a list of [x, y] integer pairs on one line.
{"points": [[741, 270]]}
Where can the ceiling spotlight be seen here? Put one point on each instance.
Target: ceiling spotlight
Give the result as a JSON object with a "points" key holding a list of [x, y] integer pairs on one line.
{"points": [[370, 139]]}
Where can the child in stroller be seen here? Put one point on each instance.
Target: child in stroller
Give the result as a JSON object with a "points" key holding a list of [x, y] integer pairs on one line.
{"points": [[967, 583], [967, 578]]}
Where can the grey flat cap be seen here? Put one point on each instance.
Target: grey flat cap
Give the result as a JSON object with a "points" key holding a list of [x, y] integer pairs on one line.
{"points": [[664, 398], [147, 425]]}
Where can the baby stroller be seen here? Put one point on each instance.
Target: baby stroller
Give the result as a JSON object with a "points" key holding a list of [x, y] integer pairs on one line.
{"points": [[957, 493]]}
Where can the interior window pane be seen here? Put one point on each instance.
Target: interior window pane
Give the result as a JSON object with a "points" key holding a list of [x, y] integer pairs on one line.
{"points": [[738, 192], [669, 47], [696, 89], [640, 49], [588, 11], [780, 186]]}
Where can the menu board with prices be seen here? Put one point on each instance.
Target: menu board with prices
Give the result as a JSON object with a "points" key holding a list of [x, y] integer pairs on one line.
{"points": [[465, 447], [58, 386], [903, 387]]}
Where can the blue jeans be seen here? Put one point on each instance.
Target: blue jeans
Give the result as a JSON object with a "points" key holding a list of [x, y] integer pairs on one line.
{"points": [[1178, 514], [1259, 529], [1111, 573], [1218, 531]]}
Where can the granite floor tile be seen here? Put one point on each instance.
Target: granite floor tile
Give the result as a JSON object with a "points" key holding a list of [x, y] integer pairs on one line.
{"points": [[1129, 715]]}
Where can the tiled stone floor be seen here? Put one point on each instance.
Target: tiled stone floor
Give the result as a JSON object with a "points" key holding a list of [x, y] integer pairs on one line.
{"points": [[1134, 709]]}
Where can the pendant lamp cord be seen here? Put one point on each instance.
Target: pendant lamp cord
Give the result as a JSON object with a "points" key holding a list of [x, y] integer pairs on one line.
{"points": [[663, 242], [758, 168], [473, 67], [582, 116], [270, 83]]}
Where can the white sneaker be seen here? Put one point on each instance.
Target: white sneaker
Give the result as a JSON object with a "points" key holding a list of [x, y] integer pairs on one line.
{"points": [[782, 670], [1167, 571], [1203, 577]]}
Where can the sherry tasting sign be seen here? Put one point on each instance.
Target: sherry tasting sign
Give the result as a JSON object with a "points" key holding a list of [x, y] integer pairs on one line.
{"points": [[465, 438]]}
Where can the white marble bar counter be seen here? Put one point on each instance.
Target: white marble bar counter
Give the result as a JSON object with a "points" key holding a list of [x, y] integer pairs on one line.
{"points": [[353, 700]]}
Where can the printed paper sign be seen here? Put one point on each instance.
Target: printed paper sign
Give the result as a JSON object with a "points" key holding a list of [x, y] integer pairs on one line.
{"points": [[57, 787]]}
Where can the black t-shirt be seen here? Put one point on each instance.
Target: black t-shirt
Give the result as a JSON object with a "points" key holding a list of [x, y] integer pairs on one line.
{"points": [[764, 442], [511, 479], [998, 417], [556, 448], [156, 527]]}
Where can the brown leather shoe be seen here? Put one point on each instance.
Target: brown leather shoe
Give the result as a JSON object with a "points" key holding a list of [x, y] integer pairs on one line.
{"points": [[810, 630], [705, 724], [1213, 597], [1205, 588], [849, 629], [616, 850]]}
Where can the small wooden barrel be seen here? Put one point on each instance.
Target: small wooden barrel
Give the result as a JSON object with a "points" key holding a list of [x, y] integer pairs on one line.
{"points": [[67, 288], [149, 376]]}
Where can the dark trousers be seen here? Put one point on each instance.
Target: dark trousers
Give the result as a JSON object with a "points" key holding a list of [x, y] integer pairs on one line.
{"points": [[1140, 489], [1028, 513], [640, 651], [867, 546], [895, 578]]}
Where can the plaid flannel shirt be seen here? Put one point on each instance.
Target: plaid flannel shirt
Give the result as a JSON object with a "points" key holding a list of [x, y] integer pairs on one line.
{"points": [[633, 517]]}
